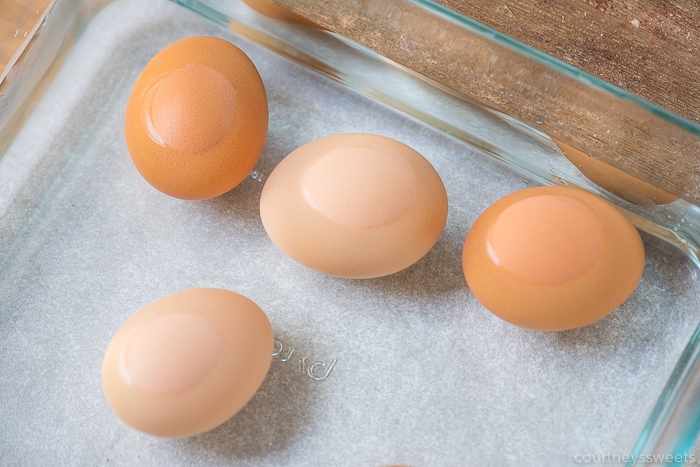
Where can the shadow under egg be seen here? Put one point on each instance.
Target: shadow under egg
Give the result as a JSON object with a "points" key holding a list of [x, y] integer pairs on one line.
{"points": [[273, 418], [438, 272]]}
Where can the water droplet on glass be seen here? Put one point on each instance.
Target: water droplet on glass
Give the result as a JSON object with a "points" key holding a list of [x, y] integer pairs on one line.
{"points": [[255, 175]]}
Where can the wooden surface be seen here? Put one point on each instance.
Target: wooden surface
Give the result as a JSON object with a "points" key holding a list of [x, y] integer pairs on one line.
{"points": [[610, 128], [650, 48], [17, 19]]}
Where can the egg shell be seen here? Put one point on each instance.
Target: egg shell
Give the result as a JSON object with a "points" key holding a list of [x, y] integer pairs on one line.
{"points": [[272, 10], [196, 120], [556, 277], [187, 362], [615, 180], [354, 205]]}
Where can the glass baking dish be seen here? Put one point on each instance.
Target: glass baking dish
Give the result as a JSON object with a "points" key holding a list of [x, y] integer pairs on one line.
{"points": [[421, 374]]}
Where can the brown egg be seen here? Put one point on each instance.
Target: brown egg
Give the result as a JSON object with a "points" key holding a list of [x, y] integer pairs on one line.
{"points": [[354, 205], [615, 180], [187, 362], [196, 120], [272, 10], [552, 258]]}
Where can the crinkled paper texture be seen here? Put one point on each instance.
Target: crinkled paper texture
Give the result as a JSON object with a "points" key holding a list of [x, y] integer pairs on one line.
{"points": [[423, 375]]}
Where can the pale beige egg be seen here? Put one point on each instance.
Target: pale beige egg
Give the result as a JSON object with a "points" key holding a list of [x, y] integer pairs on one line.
{"points": [[354, 205], [187, 362]]}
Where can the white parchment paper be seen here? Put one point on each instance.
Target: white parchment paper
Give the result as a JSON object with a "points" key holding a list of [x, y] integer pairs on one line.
{"points": [[423, 375]]}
